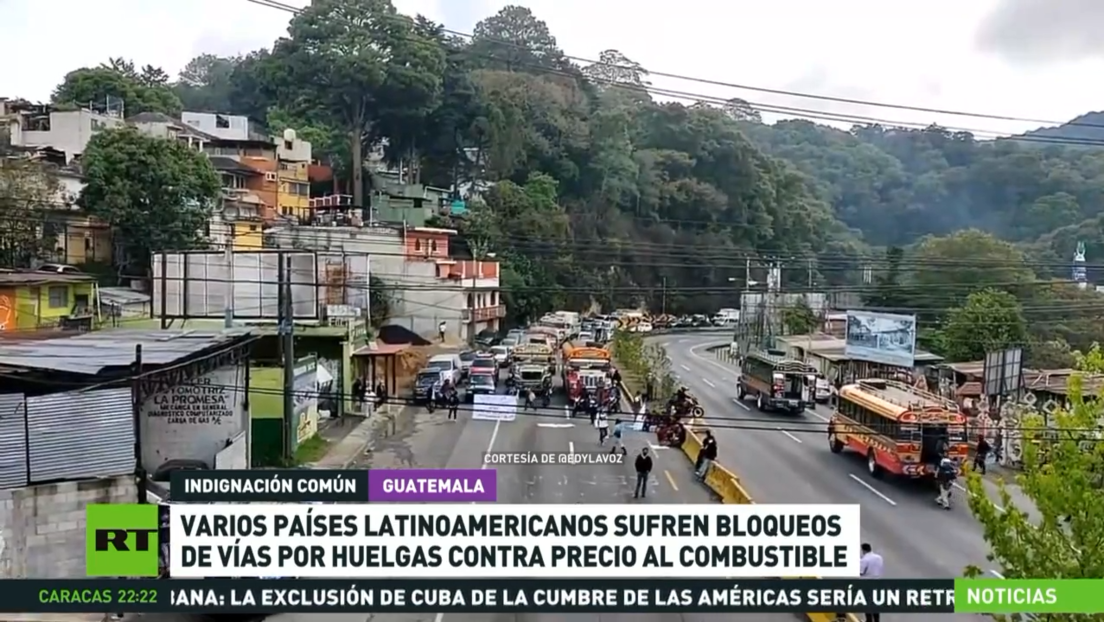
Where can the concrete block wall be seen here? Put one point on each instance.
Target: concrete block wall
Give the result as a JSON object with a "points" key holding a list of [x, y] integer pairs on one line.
{"points": [[42, 528]]}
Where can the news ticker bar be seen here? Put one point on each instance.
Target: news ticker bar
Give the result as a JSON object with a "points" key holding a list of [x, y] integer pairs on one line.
{"points": [[347, 486], [1076, 596]]}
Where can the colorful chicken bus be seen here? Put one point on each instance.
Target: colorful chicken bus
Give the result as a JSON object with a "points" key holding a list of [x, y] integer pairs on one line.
{"points": [[900, 429]]}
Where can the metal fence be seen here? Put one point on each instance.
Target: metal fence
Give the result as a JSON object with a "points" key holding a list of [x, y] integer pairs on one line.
{"points": [[65, 436]]}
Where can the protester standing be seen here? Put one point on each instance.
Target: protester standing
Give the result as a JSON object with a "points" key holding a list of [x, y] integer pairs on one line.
{"points": [[707, 454], [603, 428], [871, 566], [643, 468]]}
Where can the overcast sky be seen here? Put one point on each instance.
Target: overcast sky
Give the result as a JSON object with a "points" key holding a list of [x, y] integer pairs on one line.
{"points": [[1039, 59]]}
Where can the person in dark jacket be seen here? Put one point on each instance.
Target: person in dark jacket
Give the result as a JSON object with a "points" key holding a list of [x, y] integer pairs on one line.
{"points": [[358, 393], [453, 400], [643, 468], [707, 454], [981, 455]]}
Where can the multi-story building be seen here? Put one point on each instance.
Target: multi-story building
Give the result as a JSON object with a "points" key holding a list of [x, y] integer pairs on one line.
{"points": [[283, 161], [41, 125], [425, 285], [81, 237]]}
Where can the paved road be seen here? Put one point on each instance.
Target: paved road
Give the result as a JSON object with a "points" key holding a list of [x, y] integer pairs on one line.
{"points": [[463, 443], [430, 440], [785, 459]]}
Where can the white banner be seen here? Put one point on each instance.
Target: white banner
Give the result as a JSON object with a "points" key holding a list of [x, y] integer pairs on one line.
{"points": [[495, 407]]}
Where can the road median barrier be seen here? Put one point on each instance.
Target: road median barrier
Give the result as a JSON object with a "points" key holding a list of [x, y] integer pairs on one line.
{"points": [[726, 485]]}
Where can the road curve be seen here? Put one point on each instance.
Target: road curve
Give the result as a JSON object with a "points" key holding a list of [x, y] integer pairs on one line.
{"points": [[785, 459]]}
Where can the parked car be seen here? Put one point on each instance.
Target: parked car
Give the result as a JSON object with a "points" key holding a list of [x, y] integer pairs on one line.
{"points": [[480, 383], [449, 365], [466, 359], [425, 383], [486, 338], [484, 365], [501, 355]]}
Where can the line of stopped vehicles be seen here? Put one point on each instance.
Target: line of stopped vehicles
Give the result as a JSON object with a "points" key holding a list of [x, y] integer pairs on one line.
{"points": [[899, 427], [528, 359]]}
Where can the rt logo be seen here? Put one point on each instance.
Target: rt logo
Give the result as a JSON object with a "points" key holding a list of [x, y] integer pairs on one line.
{"points": [[121, 540]]}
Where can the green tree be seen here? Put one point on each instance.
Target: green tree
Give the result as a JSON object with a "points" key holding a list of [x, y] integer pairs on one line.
{"points": [[206, 83], [515, 40], [354, 63], [28, 191], [614, 68], [141, 90], [888, 292], [988, 321], [799, 319], [948, 269], [379, 302], [1062, 465], [156, 194]]}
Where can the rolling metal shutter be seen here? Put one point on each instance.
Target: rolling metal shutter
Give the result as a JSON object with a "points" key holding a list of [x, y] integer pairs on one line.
{"points": [[80, 435]]}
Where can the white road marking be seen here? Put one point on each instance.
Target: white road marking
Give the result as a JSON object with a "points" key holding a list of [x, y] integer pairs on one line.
{"points": [[706, 381], [555, 425], [963, 489], [816, 414], [684, 367], [792, 437], [570, 447], [490, 445], [656, 447], [872, 489], [741, 404]]}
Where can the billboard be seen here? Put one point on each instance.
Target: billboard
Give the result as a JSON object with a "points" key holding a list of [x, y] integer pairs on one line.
{"points": [[195, 284], [881, 338]]}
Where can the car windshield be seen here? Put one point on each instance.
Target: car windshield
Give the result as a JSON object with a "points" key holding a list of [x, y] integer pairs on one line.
{"points": [[467, 356], [444, 365], [425, 379], [499, 350], [483, 363], [482, 380], [509, 342]]}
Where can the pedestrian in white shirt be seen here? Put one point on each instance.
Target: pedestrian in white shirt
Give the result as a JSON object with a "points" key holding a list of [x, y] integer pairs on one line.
{"points": [[871, 566], [602, 423]]}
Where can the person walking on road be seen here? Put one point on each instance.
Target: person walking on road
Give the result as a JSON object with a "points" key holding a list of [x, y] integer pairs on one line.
{"points": [[643, 468], [707, 455], [618, 433], [871, 566], [981, 454], [530, 400], [603, 428]]}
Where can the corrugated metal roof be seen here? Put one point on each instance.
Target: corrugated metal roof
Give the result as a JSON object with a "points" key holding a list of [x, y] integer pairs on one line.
{"points": [[43, 278], [123, 295], [92, 353]]}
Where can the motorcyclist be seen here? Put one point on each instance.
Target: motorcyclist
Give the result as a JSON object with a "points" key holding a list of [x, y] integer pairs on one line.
{"points": [[945, 475]]}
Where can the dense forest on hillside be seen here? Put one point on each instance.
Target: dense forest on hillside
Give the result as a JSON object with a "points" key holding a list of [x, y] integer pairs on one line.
{"points": [[595, 192]]}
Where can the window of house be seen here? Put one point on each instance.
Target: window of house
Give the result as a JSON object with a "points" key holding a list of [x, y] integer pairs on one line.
{"points": [[417, 244], [222, 122], [270, 176], [433, 246], [59, 296]]}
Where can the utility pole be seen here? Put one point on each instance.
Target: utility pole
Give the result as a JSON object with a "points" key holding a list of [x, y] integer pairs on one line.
{"points": [[287, 347], [473, 296], [664, 299], [228, 297], [810, 275]]}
